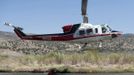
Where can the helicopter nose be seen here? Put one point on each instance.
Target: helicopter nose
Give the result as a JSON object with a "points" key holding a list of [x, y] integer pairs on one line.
{"points": [[116, 33]]}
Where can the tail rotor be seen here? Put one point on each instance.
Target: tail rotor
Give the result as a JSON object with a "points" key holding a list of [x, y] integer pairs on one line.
{"points": [[10, 25]]}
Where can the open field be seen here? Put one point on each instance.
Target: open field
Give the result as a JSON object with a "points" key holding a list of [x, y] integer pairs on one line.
{"points": [[88, 61]]}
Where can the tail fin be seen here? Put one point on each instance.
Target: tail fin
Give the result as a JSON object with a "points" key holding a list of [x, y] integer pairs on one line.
{"points": [[19, 32]]}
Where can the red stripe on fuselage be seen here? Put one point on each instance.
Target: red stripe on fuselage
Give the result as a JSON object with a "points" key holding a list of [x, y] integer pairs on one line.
{"points": [[58, 37]]}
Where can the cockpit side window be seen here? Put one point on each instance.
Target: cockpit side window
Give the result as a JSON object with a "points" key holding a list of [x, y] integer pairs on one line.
{"points": [[89, 31], [96, 30], [81, 32], [104, 30]]}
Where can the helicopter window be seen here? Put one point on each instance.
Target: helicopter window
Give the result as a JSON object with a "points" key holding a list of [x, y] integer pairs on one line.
{"points": [[96, 30], [81, 32], [104, 30], [89, 31]]}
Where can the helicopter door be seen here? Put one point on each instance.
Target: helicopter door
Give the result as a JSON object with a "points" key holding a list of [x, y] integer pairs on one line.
{"points": [[82, 32], [89, 31], [85, 32], [96, 30]]}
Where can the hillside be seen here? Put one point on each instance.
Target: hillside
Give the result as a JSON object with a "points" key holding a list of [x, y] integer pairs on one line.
{"points": [[7, 35], [11, 42]]}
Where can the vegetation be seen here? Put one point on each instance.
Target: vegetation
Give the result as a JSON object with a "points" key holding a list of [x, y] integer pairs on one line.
{"points": [[116, 55], [88, 61]]}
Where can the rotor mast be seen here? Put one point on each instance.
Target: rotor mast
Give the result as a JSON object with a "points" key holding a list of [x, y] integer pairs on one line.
{"points": [[84, 11]]}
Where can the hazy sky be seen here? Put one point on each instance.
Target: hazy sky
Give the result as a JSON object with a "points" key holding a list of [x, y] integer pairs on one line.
{"points": [[48, 16]]}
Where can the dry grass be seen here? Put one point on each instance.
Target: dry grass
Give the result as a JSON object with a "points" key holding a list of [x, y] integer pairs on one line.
{"points": [[88, 61]]}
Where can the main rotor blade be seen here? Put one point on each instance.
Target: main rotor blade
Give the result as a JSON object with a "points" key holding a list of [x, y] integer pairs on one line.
{"points": [[84, 7], [84, 11]]}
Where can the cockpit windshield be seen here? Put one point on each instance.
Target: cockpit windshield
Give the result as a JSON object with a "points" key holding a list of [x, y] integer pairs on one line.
{"points": [[109, 28], [105, 28]]}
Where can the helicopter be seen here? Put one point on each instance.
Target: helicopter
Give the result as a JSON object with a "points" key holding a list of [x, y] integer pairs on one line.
{"points": [[74, 32]]}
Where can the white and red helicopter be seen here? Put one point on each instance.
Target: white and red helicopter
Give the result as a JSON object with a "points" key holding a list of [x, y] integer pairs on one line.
{"points": [[75, 32]]}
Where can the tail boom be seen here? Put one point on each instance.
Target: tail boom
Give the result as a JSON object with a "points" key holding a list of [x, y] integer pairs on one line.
{"points": [[45, 37]]}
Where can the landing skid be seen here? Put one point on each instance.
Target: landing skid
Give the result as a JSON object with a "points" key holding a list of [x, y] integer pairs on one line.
{"points": [[85, 44], [84, 47]]}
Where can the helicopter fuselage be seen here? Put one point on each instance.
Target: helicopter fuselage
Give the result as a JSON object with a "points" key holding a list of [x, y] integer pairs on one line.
{"points": [[83, 32]]}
